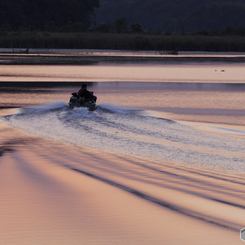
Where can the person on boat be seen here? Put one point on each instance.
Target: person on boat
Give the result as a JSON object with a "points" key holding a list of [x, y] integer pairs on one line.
{"points": [[84, 93], [80, 91]]}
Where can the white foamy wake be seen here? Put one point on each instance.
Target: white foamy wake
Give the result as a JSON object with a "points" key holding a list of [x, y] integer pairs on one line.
{"points": [[130, 132]]}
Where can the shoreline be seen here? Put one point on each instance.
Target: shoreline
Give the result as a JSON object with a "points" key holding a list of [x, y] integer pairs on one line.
{"points": [[83, 57]]}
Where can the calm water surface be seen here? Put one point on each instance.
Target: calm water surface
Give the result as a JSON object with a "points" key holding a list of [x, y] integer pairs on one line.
{"points": [[128, 72]]}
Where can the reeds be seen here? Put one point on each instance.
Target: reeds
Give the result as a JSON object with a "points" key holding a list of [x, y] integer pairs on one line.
{"points": [[125, 41]]}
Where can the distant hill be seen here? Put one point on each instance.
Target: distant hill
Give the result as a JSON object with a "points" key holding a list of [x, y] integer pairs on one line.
{"points": [[174, 15]]}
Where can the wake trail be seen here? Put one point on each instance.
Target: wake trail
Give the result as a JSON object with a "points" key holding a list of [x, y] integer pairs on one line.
{"points": [[160, 202], [131, 132], [175, 189]]}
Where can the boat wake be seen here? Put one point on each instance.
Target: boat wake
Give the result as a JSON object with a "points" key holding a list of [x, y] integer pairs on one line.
{"points": [[131, 132]]}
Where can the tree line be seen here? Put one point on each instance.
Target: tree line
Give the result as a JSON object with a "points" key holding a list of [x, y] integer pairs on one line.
{"points": [[169, 16], [175, 16], [16, 14], [155, 16]]}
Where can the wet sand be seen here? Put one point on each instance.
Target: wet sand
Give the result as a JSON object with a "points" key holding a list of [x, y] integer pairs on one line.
{"points": [[57, 193]]}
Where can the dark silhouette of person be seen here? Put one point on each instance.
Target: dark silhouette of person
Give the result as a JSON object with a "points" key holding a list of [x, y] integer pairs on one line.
{"points": [[84, 93]]}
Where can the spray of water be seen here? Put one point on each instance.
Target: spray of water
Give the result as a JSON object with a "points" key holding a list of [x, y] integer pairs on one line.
{"points": [[131, 132]]}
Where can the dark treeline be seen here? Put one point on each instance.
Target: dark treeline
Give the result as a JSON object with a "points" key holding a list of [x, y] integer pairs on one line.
{"points": [[175, 16], [36, 14]]}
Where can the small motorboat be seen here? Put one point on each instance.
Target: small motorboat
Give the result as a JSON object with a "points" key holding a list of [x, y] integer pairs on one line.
{"points": [[90, 103]]}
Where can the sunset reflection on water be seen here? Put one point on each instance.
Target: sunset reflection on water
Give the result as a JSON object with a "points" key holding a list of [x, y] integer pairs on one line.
{"points": [[128, 72], [205, 92], [116, 175]]}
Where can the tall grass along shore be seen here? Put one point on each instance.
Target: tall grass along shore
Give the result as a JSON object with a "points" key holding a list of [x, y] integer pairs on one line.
{"points": [[124, 41]]}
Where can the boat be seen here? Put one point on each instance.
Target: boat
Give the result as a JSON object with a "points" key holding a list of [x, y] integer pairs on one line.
{"points": [[89, 103]]}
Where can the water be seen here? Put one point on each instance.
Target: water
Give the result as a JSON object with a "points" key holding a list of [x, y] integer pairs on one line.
{"points": [[143, 109], [131, 132], [129, 72], [162, 153]]}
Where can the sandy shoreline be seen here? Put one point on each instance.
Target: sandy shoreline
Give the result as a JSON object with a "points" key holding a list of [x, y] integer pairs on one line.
{"points": [[56, 193]]}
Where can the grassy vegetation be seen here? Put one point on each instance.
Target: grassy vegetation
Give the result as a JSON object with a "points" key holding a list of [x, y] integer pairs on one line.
{"points": [[128, 41]]}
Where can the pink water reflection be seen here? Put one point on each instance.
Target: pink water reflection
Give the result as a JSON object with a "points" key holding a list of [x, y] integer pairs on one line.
{"points": [[140, 72]]}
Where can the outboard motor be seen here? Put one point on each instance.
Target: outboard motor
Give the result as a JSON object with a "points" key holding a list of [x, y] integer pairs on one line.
{"points": [[93, 98], [73, 99]]}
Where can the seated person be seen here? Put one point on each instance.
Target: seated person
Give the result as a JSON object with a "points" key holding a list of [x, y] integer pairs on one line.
{"points": [[84, 93]]}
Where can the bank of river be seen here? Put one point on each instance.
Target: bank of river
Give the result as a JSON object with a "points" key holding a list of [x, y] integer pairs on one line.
{"points": [[69, 56]]}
